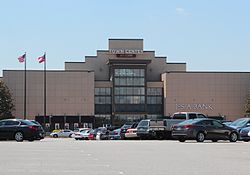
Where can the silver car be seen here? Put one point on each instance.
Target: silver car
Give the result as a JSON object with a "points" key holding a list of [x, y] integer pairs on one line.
{"points": [[82, 134], [62, 133]]}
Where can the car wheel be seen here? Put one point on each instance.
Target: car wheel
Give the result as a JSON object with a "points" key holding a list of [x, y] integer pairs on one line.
{"points": [[182, 140], [30, 140], [19, 136], [246, 140], [70, 135], [200, 137], [233, 137], [55, 135]]}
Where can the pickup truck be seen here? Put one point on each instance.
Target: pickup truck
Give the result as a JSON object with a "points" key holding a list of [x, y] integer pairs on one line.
{"points": [[161, 129], [151, 129], [180, 117]]}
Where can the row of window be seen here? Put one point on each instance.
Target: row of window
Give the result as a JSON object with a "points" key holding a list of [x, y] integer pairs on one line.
{"points": [[129, 73], [103, 100], [103, 91], [129, 91], [128, 100], [154, 91], [129, 81], [154, 100]]}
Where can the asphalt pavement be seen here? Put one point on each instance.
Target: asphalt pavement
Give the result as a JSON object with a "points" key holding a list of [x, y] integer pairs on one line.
{"points": [[68, 156]]}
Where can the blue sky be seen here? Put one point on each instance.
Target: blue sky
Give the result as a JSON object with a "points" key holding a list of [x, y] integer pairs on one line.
{"points": [[208, 35]]}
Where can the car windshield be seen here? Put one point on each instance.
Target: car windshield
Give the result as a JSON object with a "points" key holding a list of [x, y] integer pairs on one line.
{"points": [[143, 123], [85, 130], [240, 122], [126, 126]]}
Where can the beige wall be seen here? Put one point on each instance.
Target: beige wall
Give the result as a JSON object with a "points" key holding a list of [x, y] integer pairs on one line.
{"points": [[126, 44], [155, 84], [69, 93], [99, 64], [211, 93]]}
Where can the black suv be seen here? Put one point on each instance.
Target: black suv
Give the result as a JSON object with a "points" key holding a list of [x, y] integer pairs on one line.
{"points": [[19, 130]]}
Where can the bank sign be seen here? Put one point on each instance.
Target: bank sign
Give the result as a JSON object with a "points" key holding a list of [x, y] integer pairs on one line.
{"points": [[194, 107]]}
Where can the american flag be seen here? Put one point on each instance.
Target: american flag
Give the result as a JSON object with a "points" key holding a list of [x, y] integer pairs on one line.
{"points": [[41, 59], [21, 59]]}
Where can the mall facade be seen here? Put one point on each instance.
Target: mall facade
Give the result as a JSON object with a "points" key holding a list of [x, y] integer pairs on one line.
{"points": [[125, 83]]}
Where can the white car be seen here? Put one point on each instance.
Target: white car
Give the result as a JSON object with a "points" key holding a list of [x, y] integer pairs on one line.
{"points": [[62, 133], [131, 133], [82, 134]]}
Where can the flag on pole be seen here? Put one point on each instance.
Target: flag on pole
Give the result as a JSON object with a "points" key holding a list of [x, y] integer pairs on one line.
{"points": [[41, 59], [21, 59]]}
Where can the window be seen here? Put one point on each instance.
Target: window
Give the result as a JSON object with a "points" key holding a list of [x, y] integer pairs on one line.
{"points": [[2, 123], [66, 126], [179, 116], [76, 125], [192, 116], [217, 124], [201, 116], [57, 126], [143, 123], [12, 123]]}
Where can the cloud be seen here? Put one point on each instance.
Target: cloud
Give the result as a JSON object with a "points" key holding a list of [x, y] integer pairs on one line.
{"points": [[181, 11]]}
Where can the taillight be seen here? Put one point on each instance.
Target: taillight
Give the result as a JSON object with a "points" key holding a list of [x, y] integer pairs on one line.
{"points": [[32, 127], [187, 126]]}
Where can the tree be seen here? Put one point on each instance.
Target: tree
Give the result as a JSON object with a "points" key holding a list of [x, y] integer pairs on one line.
{"points": [[6, 102], [247, 107]]}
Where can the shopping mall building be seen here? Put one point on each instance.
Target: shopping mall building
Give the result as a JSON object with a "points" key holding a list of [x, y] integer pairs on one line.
{"points": [[125, 83]]}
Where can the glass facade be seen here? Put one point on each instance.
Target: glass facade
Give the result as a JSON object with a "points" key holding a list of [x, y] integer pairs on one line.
{"points": [[129, 90], [154, 101], [129, 99], [103, 102]]}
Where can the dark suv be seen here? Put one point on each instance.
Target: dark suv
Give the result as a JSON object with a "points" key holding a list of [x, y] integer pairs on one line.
{"points": [[19, 130]]}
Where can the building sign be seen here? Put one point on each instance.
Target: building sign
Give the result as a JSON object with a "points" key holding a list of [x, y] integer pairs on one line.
{"points": [[194, 107], [126, 51], [126, 55]]}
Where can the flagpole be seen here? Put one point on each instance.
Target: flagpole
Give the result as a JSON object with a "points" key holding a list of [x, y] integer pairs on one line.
{"points": [[25, 87], [44, 88]]}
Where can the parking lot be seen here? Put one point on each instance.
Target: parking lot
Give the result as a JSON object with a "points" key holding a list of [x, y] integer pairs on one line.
{"points": [[68, 156]]}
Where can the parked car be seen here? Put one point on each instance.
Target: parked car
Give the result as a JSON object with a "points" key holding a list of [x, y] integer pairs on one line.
{"points": [[127, 126], [204, 129], [19, 130], [62, 133], [82, 134], [179, 117], [40, 127], [245, 134], [115, 134], [151, 129], [131, 133], [240, 123], [100, 133]]}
